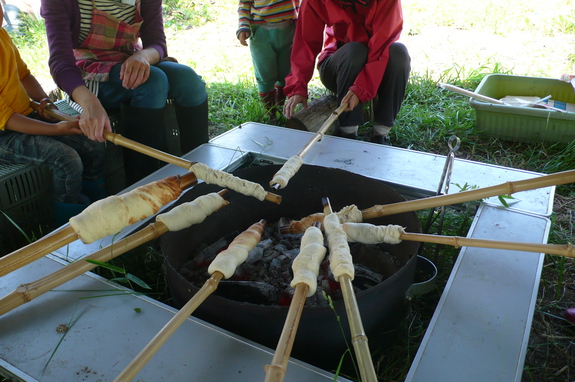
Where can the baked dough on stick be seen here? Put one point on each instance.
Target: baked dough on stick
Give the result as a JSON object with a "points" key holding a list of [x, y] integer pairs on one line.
{"points": [[347, 214], [286, 172], [228, 260], [246, 240], [372, 234], [306, 270], [196, 208], [341, 265], [224, 179], [102, 218], [292, 166]]}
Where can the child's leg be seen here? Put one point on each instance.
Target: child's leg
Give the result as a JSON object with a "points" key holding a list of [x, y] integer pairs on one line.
{"points": [[264, 59], [283, 42]]}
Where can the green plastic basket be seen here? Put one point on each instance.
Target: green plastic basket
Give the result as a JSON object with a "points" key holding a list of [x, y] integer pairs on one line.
{"points": [[524, 124]]}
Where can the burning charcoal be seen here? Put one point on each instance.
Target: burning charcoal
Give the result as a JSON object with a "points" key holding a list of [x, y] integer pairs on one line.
{"points": [[248, 291], [205, 257], [193, 276], [270, 254], [265, 276]]}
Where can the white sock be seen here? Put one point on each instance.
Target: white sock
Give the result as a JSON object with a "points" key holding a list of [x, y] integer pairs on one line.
{"points": [[381, 130], [349, 129]]}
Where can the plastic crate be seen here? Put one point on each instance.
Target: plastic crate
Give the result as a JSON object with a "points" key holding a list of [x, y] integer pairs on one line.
{"points": [[524, 124], [25, 197]]}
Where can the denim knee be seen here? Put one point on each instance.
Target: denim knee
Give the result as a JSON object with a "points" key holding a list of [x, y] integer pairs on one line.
{"points": [[67, 177], [153, 93], [187, 88]]}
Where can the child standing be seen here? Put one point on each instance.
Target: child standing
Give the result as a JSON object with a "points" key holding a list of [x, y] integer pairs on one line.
{"points": [[270, 26], [26, 138]]}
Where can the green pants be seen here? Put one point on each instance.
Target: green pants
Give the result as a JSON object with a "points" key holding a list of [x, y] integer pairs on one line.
{"points": [[271, 50]]}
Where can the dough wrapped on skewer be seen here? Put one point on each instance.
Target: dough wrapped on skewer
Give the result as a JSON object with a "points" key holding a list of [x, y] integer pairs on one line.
{"points": [[306, 264], [194, 212], [340, 260], [372, 234], [287, 171], [110, 215], [224, 179], [347, 214], [228, 260]]}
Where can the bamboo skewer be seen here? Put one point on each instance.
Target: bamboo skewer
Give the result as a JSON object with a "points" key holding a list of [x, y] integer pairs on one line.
{"points": [[320, 133], [316, 138], [358, 335], [119, 140], [277, 369], [393, 234], [57, 239], [457, 241], [166, 332], [208, 288], [511, 187], [306, 269], [27, 292]]}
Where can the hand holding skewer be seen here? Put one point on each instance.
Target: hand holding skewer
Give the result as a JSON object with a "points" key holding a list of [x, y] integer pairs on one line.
{"points": [[220, 178]]}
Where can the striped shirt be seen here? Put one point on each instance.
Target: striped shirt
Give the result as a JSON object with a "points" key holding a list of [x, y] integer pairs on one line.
{"points": [[254, 12], [122, 9]]}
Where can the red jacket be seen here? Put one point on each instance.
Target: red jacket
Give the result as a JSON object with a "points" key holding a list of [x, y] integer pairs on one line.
{"points": [[378, 25]]}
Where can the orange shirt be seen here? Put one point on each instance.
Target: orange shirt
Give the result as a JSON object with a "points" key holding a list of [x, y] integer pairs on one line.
{"points": [[13, 96]]}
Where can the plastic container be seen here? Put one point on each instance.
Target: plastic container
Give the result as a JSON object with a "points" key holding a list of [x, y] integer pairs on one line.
{"points": [[524, 124], [25, 197]]}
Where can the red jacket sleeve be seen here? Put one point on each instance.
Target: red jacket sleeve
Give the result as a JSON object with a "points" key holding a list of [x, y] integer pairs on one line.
{"points": [[305, 50], [384, 24]]}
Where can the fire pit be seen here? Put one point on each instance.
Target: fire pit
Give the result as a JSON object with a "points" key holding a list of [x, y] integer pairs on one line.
{"points": [[319, 340]]}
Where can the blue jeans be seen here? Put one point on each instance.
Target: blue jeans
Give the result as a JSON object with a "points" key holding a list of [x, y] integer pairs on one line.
{"points": [[70, 158], [168, 80]]}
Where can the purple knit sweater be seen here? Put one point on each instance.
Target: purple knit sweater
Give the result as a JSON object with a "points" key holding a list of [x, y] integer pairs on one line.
{"points": [[62, 19]]}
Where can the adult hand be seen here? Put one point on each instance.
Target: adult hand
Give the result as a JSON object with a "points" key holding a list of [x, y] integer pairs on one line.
{"points": [[94, 121], [135, 70], [292, 102], [243, 37], [351, 99]]}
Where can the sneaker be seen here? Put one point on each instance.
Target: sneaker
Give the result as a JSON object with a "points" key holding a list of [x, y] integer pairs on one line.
{"points": [[339, 133], [381, 139]]}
